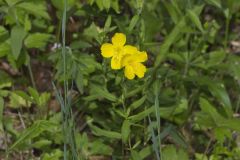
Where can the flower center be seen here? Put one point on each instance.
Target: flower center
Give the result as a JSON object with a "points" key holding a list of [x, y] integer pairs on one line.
{"points": [[130, 61], [118, 50]]}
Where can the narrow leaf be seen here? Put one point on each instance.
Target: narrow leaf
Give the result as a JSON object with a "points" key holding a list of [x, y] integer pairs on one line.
{"points": [[104, 93], [137, 103], [105, 133], [138, 117], [216, 3], [169, 40], [17, 35], [195, 19], [107, 4], [133, 22], [125, 130], [36, 129]]}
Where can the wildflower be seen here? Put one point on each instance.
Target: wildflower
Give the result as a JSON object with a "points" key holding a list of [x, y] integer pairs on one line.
{"points": [[117, 50], [133, 65]]}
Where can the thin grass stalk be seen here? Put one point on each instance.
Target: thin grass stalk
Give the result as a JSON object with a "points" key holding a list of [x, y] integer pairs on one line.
{"points": [[67, 118], [228, 18], [64, 109], [157, 114], [31, 74], [154, 139], [64, 50]]}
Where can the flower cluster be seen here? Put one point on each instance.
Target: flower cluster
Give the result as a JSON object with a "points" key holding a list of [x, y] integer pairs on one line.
{"points": [[124, 56]]}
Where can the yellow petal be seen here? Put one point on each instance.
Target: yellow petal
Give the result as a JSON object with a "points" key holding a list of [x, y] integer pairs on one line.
{"points": [[128, 72], [139, 69], [116, 62], [142, 57], [126, 59], [128, 49], [119, 39], [107, 50], [138, 57]]}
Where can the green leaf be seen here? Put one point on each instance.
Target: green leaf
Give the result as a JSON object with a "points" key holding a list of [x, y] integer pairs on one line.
{"points": [[219, 120], [105, 133], [216, 3], [90, 2], [137, 103], [145, 152], [4, 93], [172, 11], [12, 2], [209, 109], [218, 90], [37, 40], [171, 153], [234, 66], [182, 106], [35, 8], [100, 4], [199, 156], [17, 35], [79, 82], [216, 57], [60, 4], [138, 117], [125, 130], [106, 4], [232, 123], [17, 101], [43, 99], [82, 141], [195, 19], [97, 147], [103, 93], [115, 5], [133, 92], [41, 144], [5, 49], [108, 23], [3, 33], [135, 155], [92, 32], [178, 138], [24, 95], [170, 111], [33, 92], [169, 40], [221, 134], [35, 130], [53, 155], [203, 121], [133, 22]]}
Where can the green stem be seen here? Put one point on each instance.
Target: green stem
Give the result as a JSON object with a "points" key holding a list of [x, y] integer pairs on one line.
{"points": [[157, 114], [124, 109], [226, 31], [64, 51], [123, 95], [64, 111], [31, 75], [67, 117]]}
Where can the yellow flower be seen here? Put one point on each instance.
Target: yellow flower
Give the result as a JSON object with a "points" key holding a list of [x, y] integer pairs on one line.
{"points": [[117, 50], [133, 65]]}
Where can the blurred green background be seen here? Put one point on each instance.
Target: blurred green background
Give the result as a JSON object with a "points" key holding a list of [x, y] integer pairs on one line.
{"points": [[51, 94]]}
